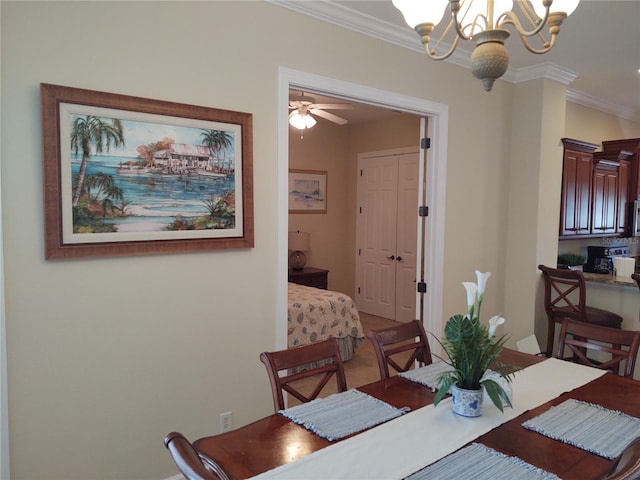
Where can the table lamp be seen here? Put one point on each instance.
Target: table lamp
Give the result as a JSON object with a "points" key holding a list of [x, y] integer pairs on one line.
{"points": [[299, 243]]}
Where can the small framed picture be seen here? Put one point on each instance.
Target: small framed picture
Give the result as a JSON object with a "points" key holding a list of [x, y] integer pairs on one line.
{"points": [[307, 191]]}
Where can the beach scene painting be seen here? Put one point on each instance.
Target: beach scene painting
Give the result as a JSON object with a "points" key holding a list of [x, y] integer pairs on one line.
{"points": [[131, 176], [307, 191]]}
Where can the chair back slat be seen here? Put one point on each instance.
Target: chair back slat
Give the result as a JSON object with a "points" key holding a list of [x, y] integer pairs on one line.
{"points": [[318, 362], [392, 343], [565, 290], [620, 345]]}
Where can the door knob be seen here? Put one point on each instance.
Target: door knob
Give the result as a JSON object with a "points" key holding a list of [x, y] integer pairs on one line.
{"points": [[399, 258], [391, 258]]}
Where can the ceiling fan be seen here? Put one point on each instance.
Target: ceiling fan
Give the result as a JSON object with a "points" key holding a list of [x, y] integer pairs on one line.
{"points": [[302, 107]]}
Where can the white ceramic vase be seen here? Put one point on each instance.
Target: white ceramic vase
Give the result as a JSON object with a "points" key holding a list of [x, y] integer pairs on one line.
{"points": [[467, 403]]}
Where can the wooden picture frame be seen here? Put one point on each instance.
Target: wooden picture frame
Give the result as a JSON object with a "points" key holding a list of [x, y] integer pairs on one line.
{"points": [[307, 191], [156, 176]]}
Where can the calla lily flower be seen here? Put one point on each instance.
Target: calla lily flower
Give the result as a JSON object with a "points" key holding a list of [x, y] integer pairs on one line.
{"points": [[472, 290], [482, 282], [494, 322]]}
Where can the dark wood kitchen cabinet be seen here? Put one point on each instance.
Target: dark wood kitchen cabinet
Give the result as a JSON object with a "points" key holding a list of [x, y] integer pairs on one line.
{"points": [[627, 149], [604, 212], [577, 170], [598, 187], [624, 196]]}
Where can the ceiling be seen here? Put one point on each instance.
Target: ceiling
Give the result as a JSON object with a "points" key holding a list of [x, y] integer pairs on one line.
{"points": [[599, 45]]}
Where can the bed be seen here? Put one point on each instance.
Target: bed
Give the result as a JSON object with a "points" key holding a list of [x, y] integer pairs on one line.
{"points": [[315, 314]]}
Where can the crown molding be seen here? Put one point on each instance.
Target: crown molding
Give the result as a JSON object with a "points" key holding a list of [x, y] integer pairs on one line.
{"points": [[342, 16], [547, 70], [599, 104]]}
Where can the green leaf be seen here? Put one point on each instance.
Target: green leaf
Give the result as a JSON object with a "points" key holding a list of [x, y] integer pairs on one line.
{"points": [[453, 330], [497, 394], [445, 383]]}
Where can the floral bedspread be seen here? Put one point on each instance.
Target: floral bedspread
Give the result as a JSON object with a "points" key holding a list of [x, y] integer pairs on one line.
{"points": [[315, 315]]}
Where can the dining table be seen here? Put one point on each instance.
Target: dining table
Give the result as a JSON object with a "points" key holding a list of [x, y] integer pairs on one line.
{"points": [[274, 446]]}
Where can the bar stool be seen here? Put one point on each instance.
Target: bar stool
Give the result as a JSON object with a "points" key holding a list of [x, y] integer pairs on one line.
{"points": [[565, 296]]}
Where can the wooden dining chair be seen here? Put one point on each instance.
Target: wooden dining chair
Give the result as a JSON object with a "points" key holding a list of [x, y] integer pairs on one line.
{"points": [[392, 344], [627, 465], [620, 345], [565, 296], [319, 361], [192, 465]]}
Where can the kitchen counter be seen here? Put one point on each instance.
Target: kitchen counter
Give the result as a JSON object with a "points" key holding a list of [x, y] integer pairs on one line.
{"points": [[609, 279], [615, 294]]}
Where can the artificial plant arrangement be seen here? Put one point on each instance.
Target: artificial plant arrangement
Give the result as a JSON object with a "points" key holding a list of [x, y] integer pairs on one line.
{"points": [[472, 348], [571, 259]]}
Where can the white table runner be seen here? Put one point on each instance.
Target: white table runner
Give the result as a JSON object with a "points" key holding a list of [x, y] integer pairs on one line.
{"points": [[421, 437]]}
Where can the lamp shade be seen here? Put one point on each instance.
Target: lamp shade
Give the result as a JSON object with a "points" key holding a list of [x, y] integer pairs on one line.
{"points": [[566, 6], [301, 121], [299, 241], [415, 13]]}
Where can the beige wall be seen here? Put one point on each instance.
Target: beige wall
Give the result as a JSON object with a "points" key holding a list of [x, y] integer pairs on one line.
{"points": [[584, 123], [106, 356]]}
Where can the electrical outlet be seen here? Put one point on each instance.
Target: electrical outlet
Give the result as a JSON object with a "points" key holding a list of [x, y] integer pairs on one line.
{"points": [[225, 422]]}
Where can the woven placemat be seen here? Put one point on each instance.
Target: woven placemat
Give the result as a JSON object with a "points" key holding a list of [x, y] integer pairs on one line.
{"points": [[481, 463], [587, 426], [427, 375], [342, 414]]}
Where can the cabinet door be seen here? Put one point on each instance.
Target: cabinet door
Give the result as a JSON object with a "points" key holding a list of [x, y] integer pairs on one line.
{"points": [[576, 194], [605, 197], [624, 172]]}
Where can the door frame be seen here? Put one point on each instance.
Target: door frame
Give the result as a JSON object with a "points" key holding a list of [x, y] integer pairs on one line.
{"points": [[435, 186]]}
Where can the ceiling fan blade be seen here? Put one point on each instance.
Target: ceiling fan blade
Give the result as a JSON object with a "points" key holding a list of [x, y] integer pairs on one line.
{"points": [[329, 116], [334, 106]]}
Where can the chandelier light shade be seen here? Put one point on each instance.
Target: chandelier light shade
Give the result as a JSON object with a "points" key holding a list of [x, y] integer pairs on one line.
{"points": [[301, 120], [484, 22], [299, 242]]}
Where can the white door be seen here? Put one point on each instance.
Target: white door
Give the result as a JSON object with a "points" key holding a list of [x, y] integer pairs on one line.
{"points": [[387, 235], [378, 198], [406, 237]]}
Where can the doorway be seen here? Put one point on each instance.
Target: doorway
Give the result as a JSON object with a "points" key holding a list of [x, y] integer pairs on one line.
{"points": [[432, 236]]}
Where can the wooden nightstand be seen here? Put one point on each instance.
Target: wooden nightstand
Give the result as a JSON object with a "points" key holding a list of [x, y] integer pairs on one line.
{"points": [[312, 277]]}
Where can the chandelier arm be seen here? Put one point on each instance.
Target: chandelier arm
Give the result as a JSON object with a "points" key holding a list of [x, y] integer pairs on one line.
{"points": [[432, 52], [509, 18], [455, 8], [547, 45], [424, 31]]}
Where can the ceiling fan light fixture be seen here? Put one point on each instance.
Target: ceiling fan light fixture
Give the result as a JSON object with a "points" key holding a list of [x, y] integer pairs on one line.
{"points": [[301, 120], [484, 22]]}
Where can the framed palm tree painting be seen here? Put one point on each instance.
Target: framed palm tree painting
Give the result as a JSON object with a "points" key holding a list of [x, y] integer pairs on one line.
{"points": [[127, 175]]}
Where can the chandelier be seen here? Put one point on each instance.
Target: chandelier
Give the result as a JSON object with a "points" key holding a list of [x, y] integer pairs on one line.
{"points": [[484, 22]]}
